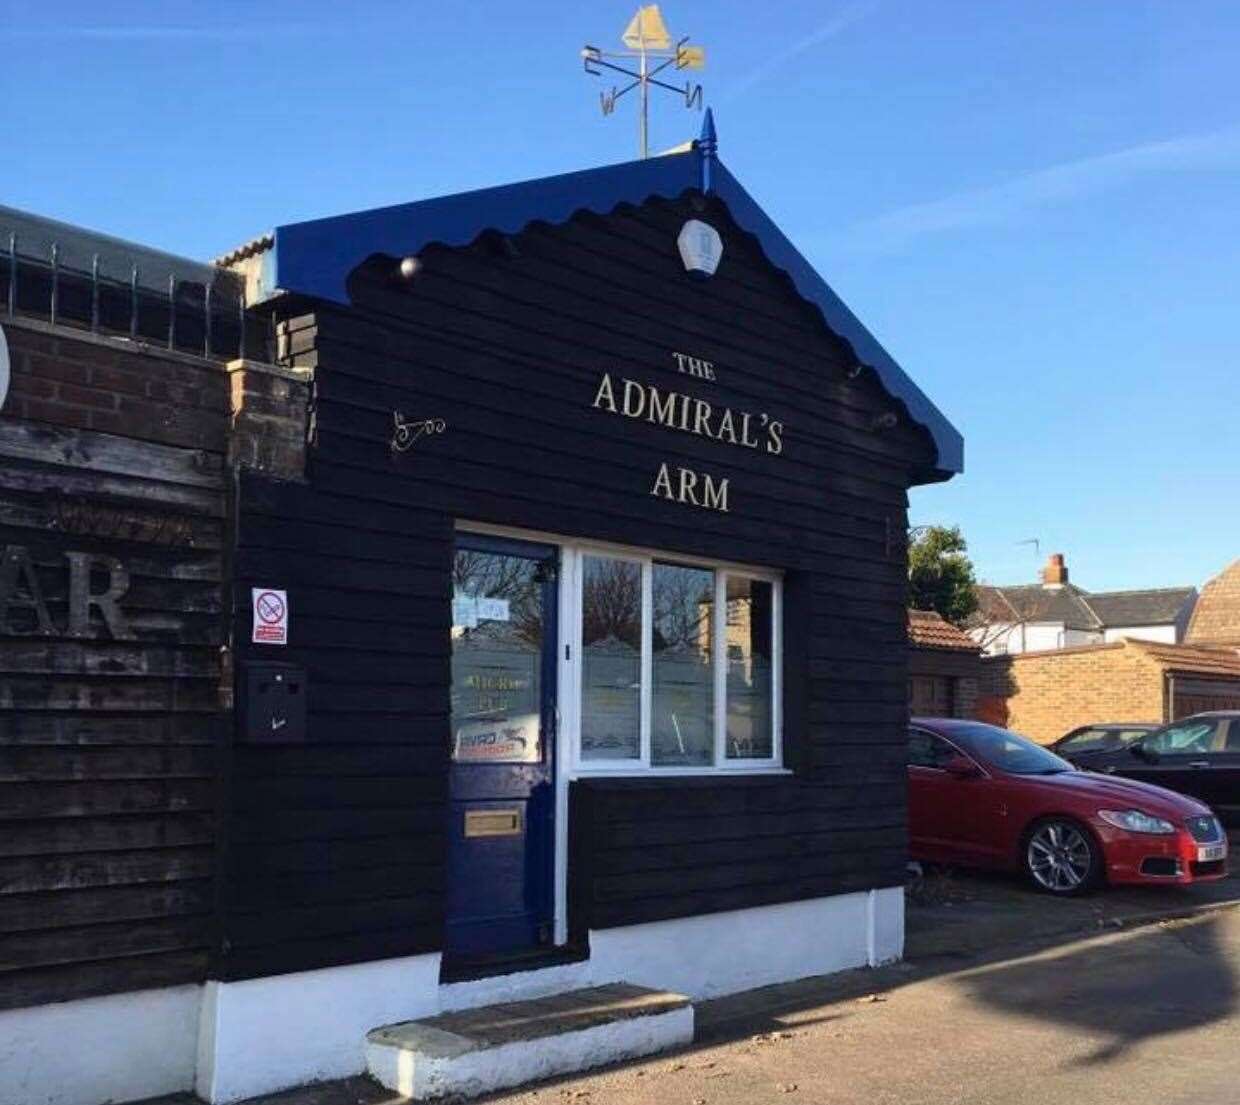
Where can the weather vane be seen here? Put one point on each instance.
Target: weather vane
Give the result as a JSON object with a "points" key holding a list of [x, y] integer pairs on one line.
{"points": [[650, 46]]}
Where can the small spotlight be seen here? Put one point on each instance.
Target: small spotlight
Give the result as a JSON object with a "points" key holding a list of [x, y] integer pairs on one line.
{"points": [[410, 267], [884, 421], [853, 371]]}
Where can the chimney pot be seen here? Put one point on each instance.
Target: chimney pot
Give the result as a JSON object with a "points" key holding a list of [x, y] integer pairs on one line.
{"points": [[1055, 574]]}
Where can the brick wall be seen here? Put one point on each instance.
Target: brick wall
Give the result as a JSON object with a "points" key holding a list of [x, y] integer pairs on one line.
{"points": [[270, 418], [116, 387], [1044, 694]]}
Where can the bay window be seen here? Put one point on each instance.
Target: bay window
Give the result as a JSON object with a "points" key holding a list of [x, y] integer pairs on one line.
{"points": [[679, 665]]}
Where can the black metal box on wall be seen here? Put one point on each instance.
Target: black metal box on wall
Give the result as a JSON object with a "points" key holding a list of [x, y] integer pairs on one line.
{"points": [[273, 703]]}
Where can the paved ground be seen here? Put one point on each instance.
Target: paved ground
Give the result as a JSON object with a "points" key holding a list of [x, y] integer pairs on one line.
{"points": [[1006, 996]]}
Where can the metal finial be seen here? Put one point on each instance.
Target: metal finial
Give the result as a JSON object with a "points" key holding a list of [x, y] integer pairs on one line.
{"points": [[709, 138], [708, 147], [648, 41]]}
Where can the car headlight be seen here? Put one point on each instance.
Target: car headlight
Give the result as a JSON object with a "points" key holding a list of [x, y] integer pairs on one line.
{"points": [[1134, 821]]}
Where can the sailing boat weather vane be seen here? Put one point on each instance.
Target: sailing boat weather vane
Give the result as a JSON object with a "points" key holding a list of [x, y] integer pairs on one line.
{"points": [[650, 48]]}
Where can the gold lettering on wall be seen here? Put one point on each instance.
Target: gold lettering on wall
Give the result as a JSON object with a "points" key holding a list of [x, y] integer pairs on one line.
{"points": [[683, 485], [674, 410], [685, 413]]}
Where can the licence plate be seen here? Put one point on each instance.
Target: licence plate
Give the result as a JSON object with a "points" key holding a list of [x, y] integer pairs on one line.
{"points": [[1207, 853]]}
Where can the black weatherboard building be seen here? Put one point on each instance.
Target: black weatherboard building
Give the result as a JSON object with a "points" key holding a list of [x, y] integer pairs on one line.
{"points": [[596, 582], [567, 637]]}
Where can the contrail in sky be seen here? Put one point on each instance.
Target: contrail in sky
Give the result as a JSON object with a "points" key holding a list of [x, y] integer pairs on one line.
{"points": [[841, 21], [1058, 184]]}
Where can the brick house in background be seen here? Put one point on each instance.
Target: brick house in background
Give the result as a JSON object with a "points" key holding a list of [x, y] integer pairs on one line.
{"points": [[1216, 617], [1057, 614], [944, 667], [1044, 694]]}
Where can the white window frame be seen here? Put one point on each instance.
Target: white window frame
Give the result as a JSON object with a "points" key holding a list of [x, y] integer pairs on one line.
{"points": [[568, 764], [572, 562]]}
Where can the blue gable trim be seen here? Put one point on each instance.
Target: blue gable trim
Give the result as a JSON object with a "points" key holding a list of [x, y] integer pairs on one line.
{"points": [[784, 255], [315, 258]]}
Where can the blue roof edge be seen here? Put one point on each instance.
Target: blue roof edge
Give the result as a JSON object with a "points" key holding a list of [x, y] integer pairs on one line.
{"points": [[315, 258], [784, 255]]}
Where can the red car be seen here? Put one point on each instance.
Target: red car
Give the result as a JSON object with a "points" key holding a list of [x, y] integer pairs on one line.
{"points": [[984, 797]]}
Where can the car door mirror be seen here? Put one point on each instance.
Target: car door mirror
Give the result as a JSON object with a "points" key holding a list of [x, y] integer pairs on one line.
{"points": [[961, 767], [1142, 752]]}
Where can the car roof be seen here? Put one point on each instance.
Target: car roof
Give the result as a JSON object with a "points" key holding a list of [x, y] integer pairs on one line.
{"points": [[1118, 725], [947, 724]]}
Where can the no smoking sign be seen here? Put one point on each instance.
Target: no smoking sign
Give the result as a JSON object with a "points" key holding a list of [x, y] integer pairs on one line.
{"points": [[270, 616]]}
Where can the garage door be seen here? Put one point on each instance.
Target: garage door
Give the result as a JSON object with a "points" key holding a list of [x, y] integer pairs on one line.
{"points": [[1193, 696]]}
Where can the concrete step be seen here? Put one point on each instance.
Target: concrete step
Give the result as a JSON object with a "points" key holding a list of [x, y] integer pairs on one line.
{"points": [[476, 1051]]}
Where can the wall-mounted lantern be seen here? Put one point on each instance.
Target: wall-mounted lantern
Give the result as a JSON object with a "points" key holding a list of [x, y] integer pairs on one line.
{"points": [[700, 248]]}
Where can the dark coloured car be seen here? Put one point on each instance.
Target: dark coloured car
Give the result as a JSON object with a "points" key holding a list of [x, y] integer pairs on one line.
{"points": [[985, 797], [1197, 755], [1084, 744]]}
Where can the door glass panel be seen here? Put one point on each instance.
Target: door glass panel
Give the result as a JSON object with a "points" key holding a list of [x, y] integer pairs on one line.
{"points": [[611, 668], [497, 642], [748, 629], [682, 712]]}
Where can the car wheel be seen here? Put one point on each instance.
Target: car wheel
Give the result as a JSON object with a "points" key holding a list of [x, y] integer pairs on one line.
{"points": [[1061, 857]]}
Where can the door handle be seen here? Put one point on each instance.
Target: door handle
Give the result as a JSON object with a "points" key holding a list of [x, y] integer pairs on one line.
{"points": [[1198, 763]]}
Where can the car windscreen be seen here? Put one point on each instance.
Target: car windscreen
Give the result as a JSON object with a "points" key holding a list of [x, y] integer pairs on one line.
{"points": [[1100, 739], [1008, 751]]}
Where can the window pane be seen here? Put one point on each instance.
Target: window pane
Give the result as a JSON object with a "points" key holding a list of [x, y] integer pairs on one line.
{"points": [[497, 643], [682, 729], [611, 675], [1189, 738], [1091, 740], [751, 722]]}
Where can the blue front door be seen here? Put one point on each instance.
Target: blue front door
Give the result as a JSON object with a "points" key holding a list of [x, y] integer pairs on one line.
{"points": [[501, 832]]}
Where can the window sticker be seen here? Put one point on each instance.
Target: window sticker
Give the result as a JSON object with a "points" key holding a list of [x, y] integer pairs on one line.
{"points": [[492, 610], [465, 611]]}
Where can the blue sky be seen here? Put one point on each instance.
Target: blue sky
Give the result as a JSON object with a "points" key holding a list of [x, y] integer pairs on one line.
{"points": [[1034, 206]]}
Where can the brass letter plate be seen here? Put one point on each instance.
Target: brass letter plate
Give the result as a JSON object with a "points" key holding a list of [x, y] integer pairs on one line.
{"points": [[493, 822]]}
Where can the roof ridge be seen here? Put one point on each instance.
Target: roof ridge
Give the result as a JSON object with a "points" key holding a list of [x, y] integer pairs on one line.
{"points": [[1144, 590]]}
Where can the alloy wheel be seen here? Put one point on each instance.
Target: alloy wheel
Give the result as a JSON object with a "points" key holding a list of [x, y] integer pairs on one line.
{"points": [[1059, 857]]}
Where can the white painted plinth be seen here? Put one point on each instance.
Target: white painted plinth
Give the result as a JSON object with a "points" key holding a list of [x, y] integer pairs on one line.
{"points": [[449, 1065], [722, 953], [267, 1034], [122, 1047]]}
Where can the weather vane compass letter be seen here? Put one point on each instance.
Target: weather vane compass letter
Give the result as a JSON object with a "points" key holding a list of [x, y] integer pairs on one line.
{"points": [[650, 47]]}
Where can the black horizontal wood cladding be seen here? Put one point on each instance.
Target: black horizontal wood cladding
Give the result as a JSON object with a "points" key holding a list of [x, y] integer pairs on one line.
{"points": [[509, 349], [108, 729], [336, 844]]}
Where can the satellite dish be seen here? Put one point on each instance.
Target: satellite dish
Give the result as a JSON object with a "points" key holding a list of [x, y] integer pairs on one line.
{"points": [[4, 367]]}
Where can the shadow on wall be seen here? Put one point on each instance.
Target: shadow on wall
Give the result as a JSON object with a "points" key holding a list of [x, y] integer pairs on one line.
{"points": [[996, 686], [1170, 979], [992, 709]]}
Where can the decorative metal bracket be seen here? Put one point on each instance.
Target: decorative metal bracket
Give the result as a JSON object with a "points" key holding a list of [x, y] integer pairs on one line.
{"points": [[406, 433]]}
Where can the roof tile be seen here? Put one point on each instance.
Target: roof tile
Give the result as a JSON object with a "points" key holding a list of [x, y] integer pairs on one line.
{"points": [[929, 629]]}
